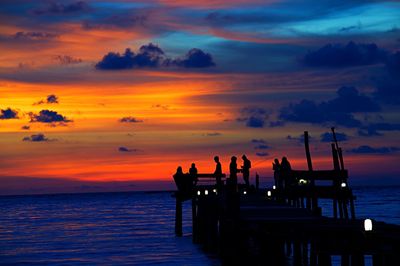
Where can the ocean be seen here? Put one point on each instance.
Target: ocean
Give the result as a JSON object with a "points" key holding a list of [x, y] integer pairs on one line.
{"points": [[127, 228]]}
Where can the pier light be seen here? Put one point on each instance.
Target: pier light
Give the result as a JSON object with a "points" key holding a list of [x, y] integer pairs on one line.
{"points": [[215, 190], [198, 192], [269, 193], [368, 225], [206, 192], [302, 182], [273, 187], [245, 192], [343, 185]]}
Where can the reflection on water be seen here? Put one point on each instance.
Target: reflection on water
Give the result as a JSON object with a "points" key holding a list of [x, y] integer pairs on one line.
{"points": [[125, 228], [108, 228]]}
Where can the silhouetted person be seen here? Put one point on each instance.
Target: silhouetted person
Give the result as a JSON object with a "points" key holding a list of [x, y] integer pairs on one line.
{"points": [[276, 166], [285, 171], [233, 171], [218, 171], [178, 178], [193, 174], [246, 170]]}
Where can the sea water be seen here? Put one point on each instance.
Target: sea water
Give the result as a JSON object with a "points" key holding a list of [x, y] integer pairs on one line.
{"points": [[130, 228]]}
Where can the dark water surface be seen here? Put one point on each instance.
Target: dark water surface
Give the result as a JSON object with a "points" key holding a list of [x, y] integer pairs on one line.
{"points": [[134, 228]]}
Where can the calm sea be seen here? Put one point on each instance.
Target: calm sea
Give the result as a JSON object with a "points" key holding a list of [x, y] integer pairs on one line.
{"points": [[134, 228]]}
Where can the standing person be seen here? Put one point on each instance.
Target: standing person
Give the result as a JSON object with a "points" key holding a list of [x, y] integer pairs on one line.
{"points": [[233, 171], [218, 171], [276, 166], [246, 170], [193, 174], [285, 171]]}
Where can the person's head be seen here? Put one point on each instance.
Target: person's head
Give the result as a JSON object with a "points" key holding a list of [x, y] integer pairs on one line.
{"points": [[233, 158], [244, 157], [284, 159], [179, 169], [276, 160], [193, 165], [216, 159]]}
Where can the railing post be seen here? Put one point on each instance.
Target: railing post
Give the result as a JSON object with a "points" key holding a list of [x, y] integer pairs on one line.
{"points": [[178, 215]]}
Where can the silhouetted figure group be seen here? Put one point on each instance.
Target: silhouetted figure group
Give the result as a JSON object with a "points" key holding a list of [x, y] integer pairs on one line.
{"points": [[282, 175], [186, 182]]}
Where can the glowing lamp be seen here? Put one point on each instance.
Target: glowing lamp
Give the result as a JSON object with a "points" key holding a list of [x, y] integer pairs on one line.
{"points": [[343, 185], [273, 187], [269, 193], [206, 192], [215, 190], [245, 192], [302, 182], [198, 192], [368, 225]]}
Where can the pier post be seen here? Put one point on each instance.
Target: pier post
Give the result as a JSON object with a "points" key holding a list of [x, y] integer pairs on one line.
{"points": [[178, 215]]}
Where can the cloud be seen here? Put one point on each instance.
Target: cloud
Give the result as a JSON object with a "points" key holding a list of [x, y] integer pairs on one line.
{"points": [[34, 36], [339, 55], [212, 134], [365, 149], [125, 149], [67, 59], [276, 123], [388, 86], [59, 8], [195, 58], [258, 141], [328, 137], [8, 114], [51, 99], [26, 127], [130, 119], [261, 147], [253, 116], [299, 139], [374, 129], [338, 110], [48, 116], [262, 154], [152, 56], [36, 138]]}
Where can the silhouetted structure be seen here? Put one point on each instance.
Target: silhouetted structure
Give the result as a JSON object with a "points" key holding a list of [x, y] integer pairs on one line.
{"points": [[246, 170], [276, 227]]}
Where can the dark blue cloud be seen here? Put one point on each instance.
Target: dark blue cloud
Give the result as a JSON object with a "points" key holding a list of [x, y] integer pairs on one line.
{"points": [[34, 36], [8, 114], [152, 56], [388, 86], [50, 99], [338, 110], [36, 138], [262, 154], [212, 134], [253, 116], [374, 129], [258, 141], [48, 116], [276, 123], [339, 55], [124, 149], [195, 58], [261, 147], [130, 119], [328, 137], [67, 59], [365, 149], [60, 8]]}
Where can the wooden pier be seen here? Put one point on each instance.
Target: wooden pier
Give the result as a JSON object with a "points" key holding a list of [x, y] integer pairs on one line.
{"points": [[283, 225]]}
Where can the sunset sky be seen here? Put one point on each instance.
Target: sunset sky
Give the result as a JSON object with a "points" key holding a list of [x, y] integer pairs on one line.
{"points": [[95, 92]]}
